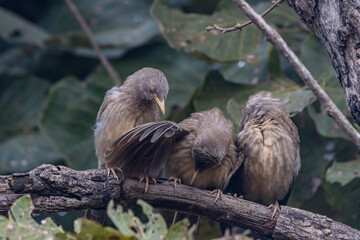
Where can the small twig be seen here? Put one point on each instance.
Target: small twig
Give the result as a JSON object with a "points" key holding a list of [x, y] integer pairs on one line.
{"points": [[105, 62], [274, 37], [240, 26]]}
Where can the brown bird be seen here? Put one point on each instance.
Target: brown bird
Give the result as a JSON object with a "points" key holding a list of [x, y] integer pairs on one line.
{"points": [[200, 150], [134, 103], [268, 141]]}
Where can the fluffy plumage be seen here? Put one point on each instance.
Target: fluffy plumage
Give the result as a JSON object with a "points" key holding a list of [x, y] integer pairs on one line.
{"points": [[203, 142], [268, 141], [207, 148], [128, 106], [123, 108], [202, 146]]}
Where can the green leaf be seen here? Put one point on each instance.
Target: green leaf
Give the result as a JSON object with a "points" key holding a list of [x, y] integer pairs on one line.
{"points": [[15, 29], [13, 62], [250, 71], [216, 92], [234, 110], [180, 231], [68, 119], [25, 152], [21, 210], [21, 146], [295, 101], [86, 229], [122, 221], [343, 172], [345, 201], [316, 152], [154, 228], [315, 58], [21, 105], [187, 31], [22, 226], [115, 24], [325, 125]]}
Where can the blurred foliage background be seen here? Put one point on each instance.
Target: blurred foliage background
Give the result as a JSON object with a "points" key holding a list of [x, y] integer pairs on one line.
{"points": [[52, 84]]}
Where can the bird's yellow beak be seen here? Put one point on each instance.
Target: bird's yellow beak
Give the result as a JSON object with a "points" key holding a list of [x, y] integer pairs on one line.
{"points": [[161, 104]]}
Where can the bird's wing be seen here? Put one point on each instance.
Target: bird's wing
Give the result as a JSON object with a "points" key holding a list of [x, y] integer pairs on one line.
{"points": [[144, 147]]}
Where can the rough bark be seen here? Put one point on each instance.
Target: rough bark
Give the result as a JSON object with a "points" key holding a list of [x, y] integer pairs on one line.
{"points": [[336, 24], [58, 188], [278, 42]]}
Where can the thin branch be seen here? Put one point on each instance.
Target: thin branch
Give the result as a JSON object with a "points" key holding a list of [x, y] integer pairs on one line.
{"points": [[58, 188], [105, 62], [240, 26], [274, 37]]}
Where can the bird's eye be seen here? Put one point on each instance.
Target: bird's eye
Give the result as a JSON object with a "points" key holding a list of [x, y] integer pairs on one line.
{"points": [[152, 90]]}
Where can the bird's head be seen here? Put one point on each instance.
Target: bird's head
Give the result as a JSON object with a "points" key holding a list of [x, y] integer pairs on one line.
{"points": [[210, 149], [150, 85]]}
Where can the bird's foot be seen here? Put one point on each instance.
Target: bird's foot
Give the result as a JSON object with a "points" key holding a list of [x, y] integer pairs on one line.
{"points": [[235, 195], [112, 170], [175, 179], [146, 178], [276, 208], [219, 194]]}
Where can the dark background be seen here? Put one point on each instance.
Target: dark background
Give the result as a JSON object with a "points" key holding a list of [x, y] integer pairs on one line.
{"points": [[52, 84]]}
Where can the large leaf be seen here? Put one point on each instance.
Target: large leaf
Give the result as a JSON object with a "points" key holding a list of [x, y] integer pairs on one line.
{"points": [[188, 30], [22, 226], [345, 201], [17, 61], [325, 125], [68, 120], [315, 58], [316, 153], [15, 29], [216, 92], [252, 70], [120, 24], [25, 152], [21, 146], [21, 104], [234, 110], [343, 172], [295, 101]]}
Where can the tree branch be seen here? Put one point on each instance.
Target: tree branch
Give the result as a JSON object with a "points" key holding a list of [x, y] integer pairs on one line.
{"points": [[240, 26], [105, 62], [336, 24], [58, 188], [274, 37]]}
